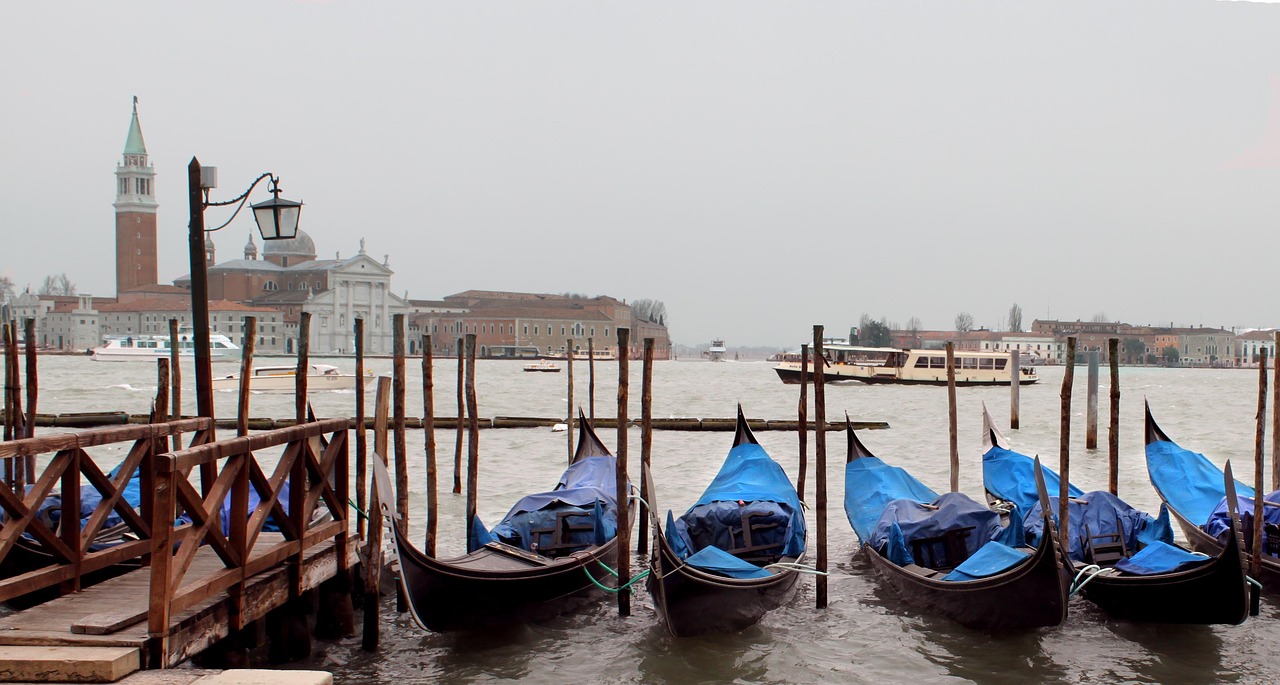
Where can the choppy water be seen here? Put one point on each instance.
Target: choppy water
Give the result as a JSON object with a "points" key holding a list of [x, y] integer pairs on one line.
{"points": [[865, 635]]}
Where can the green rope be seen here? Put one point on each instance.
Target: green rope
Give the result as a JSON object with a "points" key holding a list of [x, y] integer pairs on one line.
{"points": [[614, 590], [359, 513]]}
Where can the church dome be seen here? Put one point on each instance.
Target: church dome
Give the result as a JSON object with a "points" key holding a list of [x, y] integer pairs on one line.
{"points": [[250, 249], [301, 246]]}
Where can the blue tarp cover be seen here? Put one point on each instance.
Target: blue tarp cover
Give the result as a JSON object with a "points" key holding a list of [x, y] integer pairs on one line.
{"points": [[1217, 523], [904, 520], [718, 561], [1011, 476], [751, 477], [1159, 557], [1100, 511], [870, 485], [587, 488], [1188, 481], [991, 559]]}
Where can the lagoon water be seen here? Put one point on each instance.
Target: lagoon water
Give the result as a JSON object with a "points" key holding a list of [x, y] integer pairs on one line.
{"points": [[865, 635]]}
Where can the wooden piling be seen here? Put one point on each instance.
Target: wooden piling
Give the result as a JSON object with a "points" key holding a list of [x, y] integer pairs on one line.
{"points": [[13, 396], [624, 499], [300, 374], [953, 440], [1275, 422], [398, 416], [1259, 486], [33, 385], [11, 464], [246, 372], [1113, 428], [646, 445], [591, 380], [459, 427], [803, 414], [1091, 414], [1015, 387], [473, 437], [362, 463], [820, 475], [429, 434], [373, 550], [175, 378], [1064, 447], [568, 416]]}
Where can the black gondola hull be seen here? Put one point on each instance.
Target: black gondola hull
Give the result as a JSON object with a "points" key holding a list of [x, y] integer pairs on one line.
{"points": [[1031, 595], [692, 602]]}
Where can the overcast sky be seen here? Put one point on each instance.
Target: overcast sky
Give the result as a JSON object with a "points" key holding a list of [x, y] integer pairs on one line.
{"points": [[758, 166]]}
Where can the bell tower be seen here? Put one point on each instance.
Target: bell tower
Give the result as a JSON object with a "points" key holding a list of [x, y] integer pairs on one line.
{"points": [[135, 213]]}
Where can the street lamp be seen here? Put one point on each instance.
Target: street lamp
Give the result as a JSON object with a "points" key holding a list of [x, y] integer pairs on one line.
{"points": [[277, 220]]}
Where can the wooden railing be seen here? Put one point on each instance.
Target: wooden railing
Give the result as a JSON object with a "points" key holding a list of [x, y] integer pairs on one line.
{"points": [[36, 555], [313, 468]]}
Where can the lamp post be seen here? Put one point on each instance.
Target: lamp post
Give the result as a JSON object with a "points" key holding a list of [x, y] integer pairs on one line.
{"points": [[277, 220]]}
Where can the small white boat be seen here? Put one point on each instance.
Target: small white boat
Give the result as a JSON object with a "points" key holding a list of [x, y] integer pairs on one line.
{"points": [[283, 379], [117, 348], [542, 366], [717, 351]]}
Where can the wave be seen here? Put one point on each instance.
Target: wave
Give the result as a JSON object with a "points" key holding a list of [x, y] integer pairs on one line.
{"points": [[130, 388]]}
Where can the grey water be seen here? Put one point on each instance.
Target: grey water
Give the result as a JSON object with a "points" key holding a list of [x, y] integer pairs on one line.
{"points": [[866, 634]]}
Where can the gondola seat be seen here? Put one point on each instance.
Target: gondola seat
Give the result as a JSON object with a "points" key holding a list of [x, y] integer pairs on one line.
{"points": [[562, 531], [1107, 548], [942, 552]]}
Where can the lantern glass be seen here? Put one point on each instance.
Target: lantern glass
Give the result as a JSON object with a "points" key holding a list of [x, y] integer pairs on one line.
{"points": [[277, 218]]}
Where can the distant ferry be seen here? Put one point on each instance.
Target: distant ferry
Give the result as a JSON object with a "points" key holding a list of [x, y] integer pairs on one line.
{"points": [[284, 379], [116, 348], [909, 367], [716, 351], [584, 355]]}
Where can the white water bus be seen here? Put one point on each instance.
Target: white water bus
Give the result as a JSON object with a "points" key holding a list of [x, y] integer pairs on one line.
{"points": [[911, 367], [117, 348]]}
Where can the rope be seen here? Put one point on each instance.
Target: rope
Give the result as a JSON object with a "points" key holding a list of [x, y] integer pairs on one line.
{"points": [[362, 514], [615, 590], [1093, 570]]}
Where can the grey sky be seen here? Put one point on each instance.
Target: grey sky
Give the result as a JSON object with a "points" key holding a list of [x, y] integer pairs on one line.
{"points": [[759, 166]]}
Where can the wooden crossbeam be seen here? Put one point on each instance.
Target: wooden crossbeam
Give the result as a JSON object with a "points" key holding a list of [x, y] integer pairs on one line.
{"points": [[113, 494], [22, 513]]}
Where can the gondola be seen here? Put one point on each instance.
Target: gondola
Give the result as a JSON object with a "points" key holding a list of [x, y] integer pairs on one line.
{"points": [[1196, 494], [734, 554], [542, 560], [949, 555], [1124, 560]]}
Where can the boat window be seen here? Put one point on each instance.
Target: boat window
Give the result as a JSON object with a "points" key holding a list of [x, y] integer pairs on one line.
{"points": [[937, 362], [1000, 364], [986, 363], [922, 363], [967, 363]]}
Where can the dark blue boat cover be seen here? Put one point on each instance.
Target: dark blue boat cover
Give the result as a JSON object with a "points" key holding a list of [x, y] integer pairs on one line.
{"points": [[749, 483], [1217, 525], [905, 520], [586, 489], [870, 485], [1104, 514], [718, 561], [991, 559], [1011, 476], [1188, 481], [1160, 557]]}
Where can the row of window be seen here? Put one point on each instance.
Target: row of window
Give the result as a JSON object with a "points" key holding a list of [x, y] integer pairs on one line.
{"points": [[142, 186], [997, 363]]}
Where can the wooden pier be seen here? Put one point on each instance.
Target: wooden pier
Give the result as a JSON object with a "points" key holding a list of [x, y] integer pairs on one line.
{"points": [[185, 573]]}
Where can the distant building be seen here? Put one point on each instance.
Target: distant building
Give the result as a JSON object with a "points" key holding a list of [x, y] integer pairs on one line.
{"points": [[71, 325], [1250, 344], [135, 213]]}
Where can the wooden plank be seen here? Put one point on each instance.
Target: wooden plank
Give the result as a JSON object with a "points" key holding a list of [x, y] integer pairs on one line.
{"points": [[101, 436]]}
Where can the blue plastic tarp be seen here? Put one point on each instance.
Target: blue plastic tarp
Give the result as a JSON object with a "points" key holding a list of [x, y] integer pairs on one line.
{"points": [[870, 485], [991, 559], [1011, 476], [718, 561], [905, 520], [1104, 514], [1160, 557], [586, 490], [1188, 481], [1218, 520], [749, 482]]}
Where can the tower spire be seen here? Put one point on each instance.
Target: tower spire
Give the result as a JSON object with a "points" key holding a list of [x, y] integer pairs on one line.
{"points": [[135, 207], [134, 145]]}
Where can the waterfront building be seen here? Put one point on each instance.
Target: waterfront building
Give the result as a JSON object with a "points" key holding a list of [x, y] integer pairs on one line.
{"points": [[1250, 344], [70, 325], [135, 213], [1208, 347]]}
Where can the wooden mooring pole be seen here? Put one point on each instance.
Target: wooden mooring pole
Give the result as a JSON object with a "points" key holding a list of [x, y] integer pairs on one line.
{"points": [[1113, 427], [646, 445], [820, 475], [568, 415], [459, 426], [175, 377], [373, 549], [803, 414], [429, 435], [1064, 447], [246, 372], [1259, 485], [953, 440], [363, 514], [300, 376], [1015, 387], [1275, 421], [13, 401], [33, 385], [591, 381], [399, 388], [473, 437], [1091, 414], [624, 500]]}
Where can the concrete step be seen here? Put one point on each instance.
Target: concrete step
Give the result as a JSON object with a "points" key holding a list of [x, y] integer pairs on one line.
{"points": [[67, 664]]}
